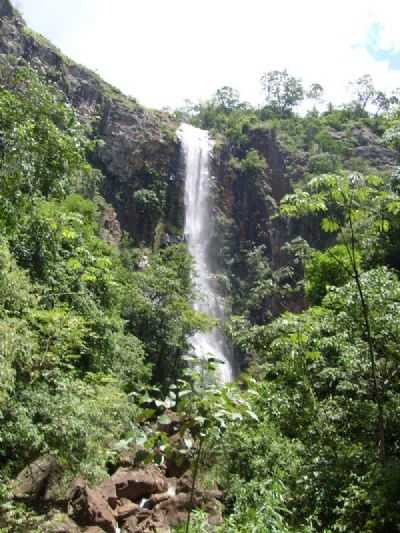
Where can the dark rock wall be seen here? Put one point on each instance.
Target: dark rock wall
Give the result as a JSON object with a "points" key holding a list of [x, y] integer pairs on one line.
{"points": [[249, 206]]}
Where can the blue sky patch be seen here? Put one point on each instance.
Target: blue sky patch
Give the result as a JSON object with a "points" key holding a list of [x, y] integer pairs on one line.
{"points": [[381, 54]]}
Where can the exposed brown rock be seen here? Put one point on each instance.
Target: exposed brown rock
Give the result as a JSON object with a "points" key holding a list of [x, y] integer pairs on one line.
{"points": [[213, 494], [175, 509], [88, 508], [126, 510], [130, 525], [137, 484], [143, 515], [158, 498], [154, 524], [108, 490], [139, 145], [184, 483]]}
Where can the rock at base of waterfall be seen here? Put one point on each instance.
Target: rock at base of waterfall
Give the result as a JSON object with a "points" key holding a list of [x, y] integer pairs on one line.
{"points": [[88, 508]]}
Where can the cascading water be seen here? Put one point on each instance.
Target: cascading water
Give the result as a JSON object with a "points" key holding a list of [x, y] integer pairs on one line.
{"points": [[198, 232]]}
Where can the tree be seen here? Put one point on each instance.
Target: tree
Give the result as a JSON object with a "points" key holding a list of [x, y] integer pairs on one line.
{"points": [[315, 92], [282, 91], [324, 269], [43, 145], [357, 210], [316, 385], [227, 98], [364, 91]]}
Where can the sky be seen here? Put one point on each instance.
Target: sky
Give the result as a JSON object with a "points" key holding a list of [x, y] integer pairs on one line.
{"points": [[164, 52]]}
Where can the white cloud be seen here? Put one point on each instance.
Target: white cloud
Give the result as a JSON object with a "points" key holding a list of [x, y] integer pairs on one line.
{"points": [[163, 51]]}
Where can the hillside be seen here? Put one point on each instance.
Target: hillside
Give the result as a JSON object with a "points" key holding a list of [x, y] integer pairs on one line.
{"points": [[106, 422], [139, 147]]}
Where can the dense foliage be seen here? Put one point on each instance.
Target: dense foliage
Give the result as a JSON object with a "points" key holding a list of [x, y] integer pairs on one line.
{"points": [[317, 321], [84, 322], [94, 332]]}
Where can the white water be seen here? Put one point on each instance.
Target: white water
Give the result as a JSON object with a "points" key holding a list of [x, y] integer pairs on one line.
{"points": [[198, 232]]}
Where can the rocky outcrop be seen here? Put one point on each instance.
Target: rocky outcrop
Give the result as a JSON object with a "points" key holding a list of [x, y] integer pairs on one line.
{"points": [[126, 509], [133, 484], [174, 510], [137, 499], [248, 202], [139, 152], [40, 479], [140, 500], [367, 146], [88, 508]]}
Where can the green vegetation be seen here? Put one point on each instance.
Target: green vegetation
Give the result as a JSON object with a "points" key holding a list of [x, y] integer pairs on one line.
{"points": [[94, 335], [82, 325], [314, 281]]}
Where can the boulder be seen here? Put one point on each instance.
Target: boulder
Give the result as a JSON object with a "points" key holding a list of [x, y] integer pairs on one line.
{"points": [[126, 510], [143, 515], [155, 499], [78, 483], [130, 525], [145, 522], [88, 508], [214, 494], [135, 484], [174, 510], [153, 525], [109, 493], [38, 479], [158, 498]]}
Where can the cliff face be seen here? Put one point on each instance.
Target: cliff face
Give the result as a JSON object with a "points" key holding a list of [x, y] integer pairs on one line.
{"points": [[139, 152], [140, 160], [248, 205], [254, 237]]}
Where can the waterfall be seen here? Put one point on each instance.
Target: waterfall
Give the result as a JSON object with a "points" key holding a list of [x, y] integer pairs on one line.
{"points": [[198, 233]]}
